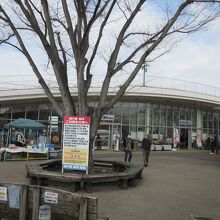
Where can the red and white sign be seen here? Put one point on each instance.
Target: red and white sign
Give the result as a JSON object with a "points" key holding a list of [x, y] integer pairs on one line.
{"points": [[51, 197], [76, 119], [76, 143]]}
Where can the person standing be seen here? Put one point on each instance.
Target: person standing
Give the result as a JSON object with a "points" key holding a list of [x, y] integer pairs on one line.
{"points": [[128, 147], [146, 145], [98, 142], [42, 140], [213, 145], [20, 139], [208, 141]]}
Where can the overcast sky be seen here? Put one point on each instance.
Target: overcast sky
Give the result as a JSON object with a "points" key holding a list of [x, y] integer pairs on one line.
{"points": [[196, 58]]}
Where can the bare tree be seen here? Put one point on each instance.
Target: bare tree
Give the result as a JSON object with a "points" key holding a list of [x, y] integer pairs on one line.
{"points": [[73, 31]]}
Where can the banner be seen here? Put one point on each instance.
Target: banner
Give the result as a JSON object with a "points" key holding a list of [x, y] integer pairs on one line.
{"points": [[76, 143], [198, 141], [176, 137]]}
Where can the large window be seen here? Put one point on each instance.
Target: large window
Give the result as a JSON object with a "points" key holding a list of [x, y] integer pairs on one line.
{"points": [[133, 115], [176, 116], [204, 119], [45, 112], [156, 115], [169, 116], [5, 115], [210, 120], [162, 116], [125, 130], [188, 114], [32, 112], [141, 114], [182, 114], [117, 113], [150, 114], [18, 112], [125, 113], [140, 134], [133, 131], [194, 118]]}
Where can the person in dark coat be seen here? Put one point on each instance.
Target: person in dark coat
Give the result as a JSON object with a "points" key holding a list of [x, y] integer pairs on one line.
{"points": [[208, 141], [98, 142], [213, 144], [128, 147], [146, 145]]}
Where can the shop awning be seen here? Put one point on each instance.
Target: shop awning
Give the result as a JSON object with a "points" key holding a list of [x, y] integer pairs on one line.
{"points": [[25, 123]]}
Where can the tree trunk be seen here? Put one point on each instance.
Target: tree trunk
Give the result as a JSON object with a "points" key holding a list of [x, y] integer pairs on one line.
{"points": [[93, 131]]}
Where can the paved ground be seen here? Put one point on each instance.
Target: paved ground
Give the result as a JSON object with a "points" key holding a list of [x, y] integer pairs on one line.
{"points": [[175, 185]]}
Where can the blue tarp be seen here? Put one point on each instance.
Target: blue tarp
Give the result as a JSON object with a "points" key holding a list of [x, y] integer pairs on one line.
{"points": [[25, 123]]}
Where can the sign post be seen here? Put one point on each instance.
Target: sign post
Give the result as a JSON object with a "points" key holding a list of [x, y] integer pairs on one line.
{"points": [[76, 143]]}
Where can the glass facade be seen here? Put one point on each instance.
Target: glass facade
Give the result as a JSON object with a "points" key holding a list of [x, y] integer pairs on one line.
{"points": [[136, 118]]}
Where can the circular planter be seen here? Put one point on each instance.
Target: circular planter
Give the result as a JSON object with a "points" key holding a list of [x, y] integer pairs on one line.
{"points": [[49, 174]]}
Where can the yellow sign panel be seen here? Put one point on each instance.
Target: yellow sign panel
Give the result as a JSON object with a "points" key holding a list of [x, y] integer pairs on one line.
{"points": [[75, 155]]}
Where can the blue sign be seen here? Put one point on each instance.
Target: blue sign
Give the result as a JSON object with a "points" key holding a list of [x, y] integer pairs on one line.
{"points": [[108, 118], [14, 197], [185, 122]]}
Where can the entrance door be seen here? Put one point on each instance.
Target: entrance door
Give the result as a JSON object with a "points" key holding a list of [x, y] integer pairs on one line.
{"points": [[104, 132], [184, 138], [110, 136]]}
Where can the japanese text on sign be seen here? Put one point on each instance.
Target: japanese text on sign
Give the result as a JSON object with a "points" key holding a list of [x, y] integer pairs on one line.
{"points": [[76, 142]]}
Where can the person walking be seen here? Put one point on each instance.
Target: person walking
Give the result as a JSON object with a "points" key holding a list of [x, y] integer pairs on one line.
{"points": [[128, 147], [208, 141], [213, 145], [146, 145]]}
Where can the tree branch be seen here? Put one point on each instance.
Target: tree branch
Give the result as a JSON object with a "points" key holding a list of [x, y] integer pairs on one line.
{"points": [[34, 67], [114, 55], [41, 15], [88, 70], [143, 57], [62, 50], [70, 31]]}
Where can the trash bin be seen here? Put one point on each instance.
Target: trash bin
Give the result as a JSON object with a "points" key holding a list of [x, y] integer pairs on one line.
{"points": [[44, 212]]}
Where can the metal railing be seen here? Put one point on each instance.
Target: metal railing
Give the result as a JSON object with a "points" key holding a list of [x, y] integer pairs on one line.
{"points": [[15, 82], [183, 85]]}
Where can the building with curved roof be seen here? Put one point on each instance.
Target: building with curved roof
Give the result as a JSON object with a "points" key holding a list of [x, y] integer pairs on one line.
{"points": [[156, 108]]}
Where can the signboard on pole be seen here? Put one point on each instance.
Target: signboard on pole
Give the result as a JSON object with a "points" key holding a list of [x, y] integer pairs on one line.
{"points": [[76, 143]]}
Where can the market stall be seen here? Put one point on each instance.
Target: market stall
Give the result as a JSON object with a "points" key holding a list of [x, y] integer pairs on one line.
{"points": [[28, 151], [23, 153]]}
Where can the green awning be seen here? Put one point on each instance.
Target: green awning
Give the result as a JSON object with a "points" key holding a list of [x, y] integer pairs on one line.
{"points": [[25, 123]]}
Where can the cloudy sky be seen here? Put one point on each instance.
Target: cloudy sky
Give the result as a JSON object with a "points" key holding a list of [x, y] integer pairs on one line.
{"points": [[195, 58]]}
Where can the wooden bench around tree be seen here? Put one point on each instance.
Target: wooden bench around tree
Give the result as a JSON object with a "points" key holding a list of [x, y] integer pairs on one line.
{"points": [[112, 171], [64, 205]]}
